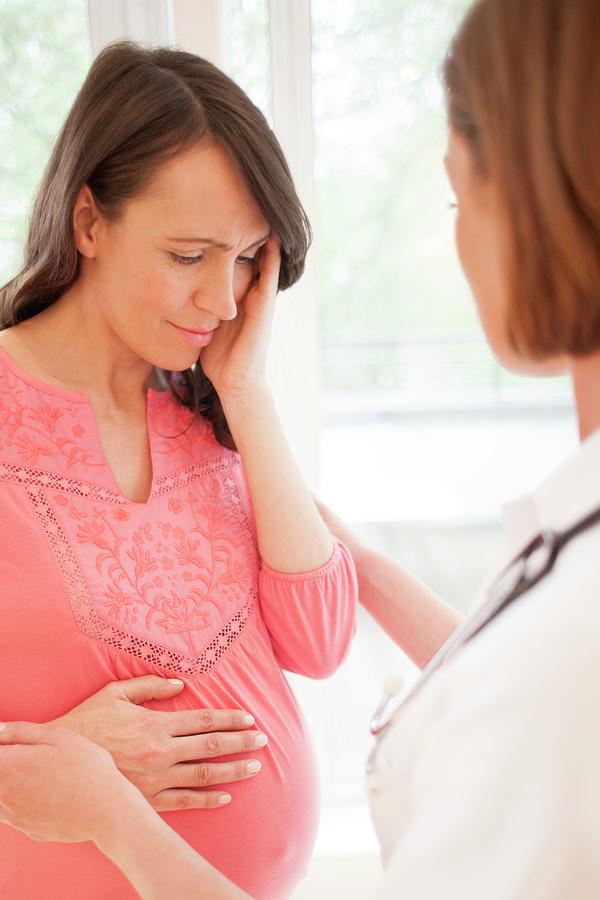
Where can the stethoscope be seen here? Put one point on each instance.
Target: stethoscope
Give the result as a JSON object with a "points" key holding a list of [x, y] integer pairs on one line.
{"points": [[533, 564]]}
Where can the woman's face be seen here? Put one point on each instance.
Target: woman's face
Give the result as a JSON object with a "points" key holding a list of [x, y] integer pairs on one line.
{"points": [[177, 261], [479, 229]]}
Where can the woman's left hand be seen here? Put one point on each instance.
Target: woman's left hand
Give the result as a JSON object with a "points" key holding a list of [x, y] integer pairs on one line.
{"points": [[235, 359]]}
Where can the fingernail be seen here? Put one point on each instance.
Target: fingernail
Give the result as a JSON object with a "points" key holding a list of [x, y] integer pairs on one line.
{"points": [[253, 766], [176, 681], [261, 740], [248, 720], [224, 798]]}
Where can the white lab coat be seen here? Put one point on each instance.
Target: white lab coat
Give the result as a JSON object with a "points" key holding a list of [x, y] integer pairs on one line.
{"points": [[487, 785]]}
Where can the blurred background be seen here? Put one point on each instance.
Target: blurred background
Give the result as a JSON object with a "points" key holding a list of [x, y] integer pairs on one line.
{"points": [[398, 414]]}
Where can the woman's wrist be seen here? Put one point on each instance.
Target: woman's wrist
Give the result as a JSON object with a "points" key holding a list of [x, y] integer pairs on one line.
{"points": [[126, 811], [242, 401], [156, 860]]}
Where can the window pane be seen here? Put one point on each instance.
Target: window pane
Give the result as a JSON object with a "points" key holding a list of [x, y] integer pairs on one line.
{"points": [[397, 317], [44, 56], [246, 49]]}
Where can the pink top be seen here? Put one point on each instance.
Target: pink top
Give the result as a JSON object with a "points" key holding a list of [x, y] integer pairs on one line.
{"points": [[97, 588]]}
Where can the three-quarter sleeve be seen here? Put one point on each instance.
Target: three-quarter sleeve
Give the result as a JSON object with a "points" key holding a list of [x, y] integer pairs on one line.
{"points": [[311, 616]]}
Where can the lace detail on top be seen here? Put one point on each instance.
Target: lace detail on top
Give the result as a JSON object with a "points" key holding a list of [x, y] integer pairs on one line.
{"points": [[137, 609], [164, 485], [40, 478]]}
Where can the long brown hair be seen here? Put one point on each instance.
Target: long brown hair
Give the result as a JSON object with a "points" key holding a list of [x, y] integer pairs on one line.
{"points": [[136, 108], [523, 85]]}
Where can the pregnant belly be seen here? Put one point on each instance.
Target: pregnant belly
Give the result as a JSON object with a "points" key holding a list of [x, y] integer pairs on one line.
{"points": [[264, 838], [262, 841]]}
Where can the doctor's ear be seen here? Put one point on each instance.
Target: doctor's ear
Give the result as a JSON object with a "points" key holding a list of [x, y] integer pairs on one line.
{"points": [[87, 223]]}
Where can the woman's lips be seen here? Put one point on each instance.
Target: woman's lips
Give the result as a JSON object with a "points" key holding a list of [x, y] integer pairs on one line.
{"points": [[195, 338]]}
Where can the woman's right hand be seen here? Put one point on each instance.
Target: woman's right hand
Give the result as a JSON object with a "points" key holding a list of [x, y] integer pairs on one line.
{"points": [[56, 785], [169, 756]]}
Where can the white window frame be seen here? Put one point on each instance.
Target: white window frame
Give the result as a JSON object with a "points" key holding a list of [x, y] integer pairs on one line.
{"points": [[146, 21], [295, 351]]}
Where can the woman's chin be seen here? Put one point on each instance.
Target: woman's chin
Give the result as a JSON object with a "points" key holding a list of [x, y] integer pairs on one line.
{"points": [[175, 362]]}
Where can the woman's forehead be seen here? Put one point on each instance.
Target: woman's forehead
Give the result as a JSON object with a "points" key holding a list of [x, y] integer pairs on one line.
{"points": [[202, 187]]}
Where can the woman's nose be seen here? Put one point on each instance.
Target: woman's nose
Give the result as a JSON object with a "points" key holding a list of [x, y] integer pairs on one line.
{"points": [[216, 294]]}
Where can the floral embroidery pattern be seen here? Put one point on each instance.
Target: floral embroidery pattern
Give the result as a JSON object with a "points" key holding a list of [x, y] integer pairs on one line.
{"points": [[41, 431], [175, 428], [168, 578], [138, 608], [172, 581]]}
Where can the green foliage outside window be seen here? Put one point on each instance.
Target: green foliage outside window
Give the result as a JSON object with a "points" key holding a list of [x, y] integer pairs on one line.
{"points": [[386, 256], [44, 56], [396, 311]]}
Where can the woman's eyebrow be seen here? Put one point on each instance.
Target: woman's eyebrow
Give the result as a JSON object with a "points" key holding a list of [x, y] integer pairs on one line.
{"points": [[218, 244], [261, 240]]}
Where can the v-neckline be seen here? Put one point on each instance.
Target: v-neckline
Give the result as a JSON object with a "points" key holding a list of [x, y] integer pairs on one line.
{"points": [[81, 397]]}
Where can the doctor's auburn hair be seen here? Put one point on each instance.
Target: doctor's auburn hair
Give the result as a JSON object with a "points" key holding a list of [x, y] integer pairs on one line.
{"points": [[523, 86], [137, 108]]}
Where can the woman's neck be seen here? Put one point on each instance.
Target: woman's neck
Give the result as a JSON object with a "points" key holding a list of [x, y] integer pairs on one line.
{"points": [[65, 347], [585, 373]]}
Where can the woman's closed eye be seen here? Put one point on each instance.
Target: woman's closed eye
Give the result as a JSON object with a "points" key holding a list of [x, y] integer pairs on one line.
{"points": [[186, 260], [190, 260]]}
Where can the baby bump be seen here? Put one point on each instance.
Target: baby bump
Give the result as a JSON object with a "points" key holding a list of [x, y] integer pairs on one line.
{"points": [[264, 838]]}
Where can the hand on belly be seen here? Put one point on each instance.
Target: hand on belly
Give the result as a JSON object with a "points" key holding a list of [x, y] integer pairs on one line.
{"points": [[155, 749]]}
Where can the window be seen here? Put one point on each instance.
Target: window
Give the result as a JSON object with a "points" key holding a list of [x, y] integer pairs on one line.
{"points": [[246, 49], [44, 56]]}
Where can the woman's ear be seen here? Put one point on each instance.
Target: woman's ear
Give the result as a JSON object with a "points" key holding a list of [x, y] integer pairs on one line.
{"points": [[87, 223]]}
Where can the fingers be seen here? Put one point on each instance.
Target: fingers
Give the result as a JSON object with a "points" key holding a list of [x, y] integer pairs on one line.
{"points": [[203, 774], [201, 721], [174, 800], [214, 744], [25, 733], [146, 687]]}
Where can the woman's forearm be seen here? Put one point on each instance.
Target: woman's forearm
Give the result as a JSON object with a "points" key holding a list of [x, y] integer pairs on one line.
{"points": [[59, 786], [158, 862], [292, 537], [411, 613]]}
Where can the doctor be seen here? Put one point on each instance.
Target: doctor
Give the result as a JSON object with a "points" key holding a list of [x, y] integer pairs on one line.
{"points": [[485, 780]]}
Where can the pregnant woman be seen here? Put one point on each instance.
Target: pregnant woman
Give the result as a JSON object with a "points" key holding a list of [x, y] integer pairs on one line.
{"points": [[484, 781], [154, 525]]}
